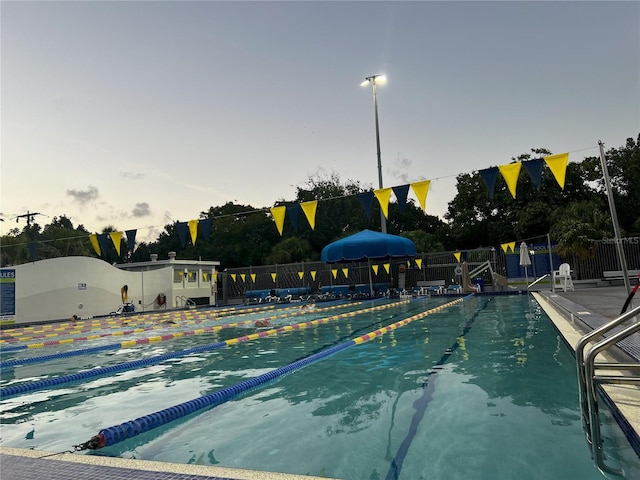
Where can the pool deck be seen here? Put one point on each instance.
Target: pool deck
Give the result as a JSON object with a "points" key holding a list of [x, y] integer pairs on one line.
{"points": [[21, 464], [571, 312], [574, 314]]}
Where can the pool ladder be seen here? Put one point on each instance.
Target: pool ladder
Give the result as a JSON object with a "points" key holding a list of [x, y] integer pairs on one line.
{"points": [[590, 378], [186, 302]]}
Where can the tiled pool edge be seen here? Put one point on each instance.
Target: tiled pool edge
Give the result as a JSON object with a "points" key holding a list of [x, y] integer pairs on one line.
{"points": [[26, 460]]}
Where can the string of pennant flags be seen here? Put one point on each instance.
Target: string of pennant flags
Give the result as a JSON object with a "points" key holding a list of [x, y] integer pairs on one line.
{"points": [[510, 173], [460, 257]]}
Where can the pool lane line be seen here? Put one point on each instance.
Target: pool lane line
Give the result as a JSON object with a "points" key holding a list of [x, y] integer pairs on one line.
{"points": [[421, 403], [118, 433], [102, 371], [148, 318], [155, 326], [117, 322], [128, 343], [96, 321]]}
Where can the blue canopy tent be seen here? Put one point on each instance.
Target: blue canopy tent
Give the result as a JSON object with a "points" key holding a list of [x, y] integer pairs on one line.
{"points": [[368, 245]]}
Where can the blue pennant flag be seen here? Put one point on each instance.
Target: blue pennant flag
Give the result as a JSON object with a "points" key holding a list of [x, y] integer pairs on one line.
{"points": [[401, 193], [489, 177], [131, 239], [366, 199], [293, 210], [102, 241], [534, 169], [205, 228], [181, 228]]}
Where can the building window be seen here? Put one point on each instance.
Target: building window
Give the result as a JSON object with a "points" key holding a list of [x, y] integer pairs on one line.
{"points": [[177, 276]]}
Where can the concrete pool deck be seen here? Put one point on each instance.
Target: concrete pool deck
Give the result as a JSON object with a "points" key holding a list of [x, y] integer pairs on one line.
{"points": [[21, 464], [571, 312], [574, 314]]}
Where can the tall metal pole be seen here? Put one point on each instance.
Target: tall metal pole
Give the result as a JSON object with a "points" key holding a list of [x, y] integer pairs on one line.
{"points": [[614, 218], [373, 80], [553, 280]]}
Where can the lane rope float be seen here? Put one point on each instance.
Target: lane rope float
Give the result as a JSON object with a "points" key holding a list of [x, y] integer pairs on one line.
{"points": [[118, 433], [102, 371], [155, 320], [22, 334], [127, 343]]}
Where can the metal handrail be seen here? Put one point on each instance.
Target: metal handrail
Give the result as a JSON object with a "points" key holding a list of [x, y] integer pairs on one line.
{"points": [[546, 275], [182, 300], [587, 379]]}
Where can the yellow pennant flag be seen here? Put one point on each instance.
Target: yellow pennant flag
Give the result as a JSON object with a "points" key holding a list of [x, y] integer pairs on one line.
{"points": [[510, 173], [253, 277], [233, 277], [457, 255], [421, 189], [93, 238], [375, 268], [313, 275], [386, 267], [334, 272], [309, 209], [345, 272], [116, 238], [300, 275], [558, 166], [193, 230], [419, 262], [273, 277], [278, 214], [243, 276], [383, 195], [508, 246]]}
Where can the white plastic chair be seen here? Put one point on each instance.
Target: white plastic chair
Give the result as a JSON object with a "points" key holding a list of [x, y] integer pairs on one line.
{"points": [[562, 277]]}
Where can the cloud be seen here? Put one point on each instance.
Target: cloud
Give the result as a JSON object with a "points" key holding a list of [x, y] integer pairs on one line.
{"points": [[401, 168], [83, 196], [132, 175], [141, 210]]}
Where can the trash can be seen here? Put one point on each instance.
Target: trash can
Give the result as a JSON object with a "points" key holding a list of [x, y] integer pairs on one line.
{"points": [[479, 282]]}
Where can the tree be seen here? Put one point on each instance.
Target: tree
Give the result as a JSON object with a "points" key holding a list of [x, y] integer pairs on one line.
{"points": [[478, 220], [576, 227], [291, 250], [424, 242], [623, 165]]}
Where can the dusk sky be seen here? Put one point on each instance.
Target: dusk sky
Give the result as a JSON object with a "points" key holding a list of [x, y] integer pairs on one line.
{"points": [[139, 114]]}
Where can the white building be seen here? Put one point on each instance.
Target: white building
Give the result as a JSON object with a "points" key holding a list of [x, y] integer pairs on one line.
{"points": [[58, 288]]}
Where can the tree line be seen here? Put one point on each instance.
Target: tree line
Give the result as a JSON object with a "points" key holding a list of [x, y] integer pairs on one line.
{"points": [[242, 235]]}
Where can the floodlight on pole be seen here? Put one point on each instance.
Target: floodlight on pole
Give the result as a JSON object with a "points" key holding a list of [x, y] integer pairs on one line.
{"points": [[374, 80]]}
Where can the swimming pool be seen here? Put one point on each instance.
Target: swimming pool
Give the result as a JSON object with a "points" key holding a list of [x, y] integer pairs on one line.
{"points": [[482, 389]]}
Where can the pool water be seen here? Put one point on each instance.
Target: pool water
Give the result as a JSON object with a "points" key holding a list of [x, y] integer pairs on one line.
{"points": [[483, 389]]}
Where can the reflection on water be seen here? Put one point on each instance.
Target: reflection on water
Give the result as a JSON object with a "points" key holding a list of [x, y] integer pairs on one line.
{"points": [[480, 390]]}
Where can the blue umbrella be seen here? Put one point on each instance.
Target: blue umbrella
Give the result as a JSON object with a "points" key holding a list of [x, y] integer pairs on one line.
{"points": [[368, 245]]}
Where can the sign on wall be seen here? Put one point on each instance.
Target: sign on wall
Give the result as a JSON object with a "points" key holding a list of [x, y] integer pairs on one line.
{"points": [[7, 294]]}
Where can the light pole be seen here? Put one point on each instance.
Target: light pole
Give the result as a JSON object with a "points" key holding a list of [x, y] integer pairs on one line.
{"points": [[374, 80]]}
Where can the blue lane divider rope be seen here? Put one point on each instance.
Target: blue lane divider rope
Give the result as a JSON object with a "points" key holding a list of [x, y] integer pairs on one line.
{"points": [[102, 371], [118, 433], [45, 358], [98, 372]]}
